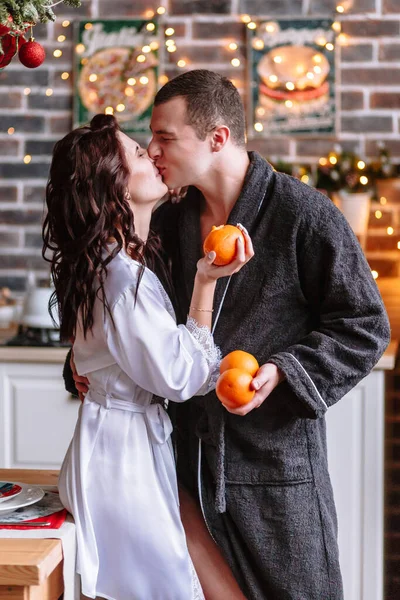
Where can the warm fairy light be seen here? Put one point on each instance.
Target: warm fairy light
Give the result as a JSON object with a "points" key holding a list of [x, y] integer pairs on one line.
{"points": [[160, 10], [258, 126], [88, 25], [317, 69], [92, 77], [149, 14], [170, 43], [27, 91], [233, 46], [277, 59], [131, 81], [10, 130], [120, 107], [245, 18], [84, 61], [49, 92], [65, 23], [61, 38], [150, 27], [375, 274], [343, 39], [329, 46], [361, 165], [146, 49], [251, 25], [305, 178], [398, 245], [129, 91], [390, 231], [57, 53], [235, 62], [383, 200], [27, 159], [80, 48], [141, 58], [323, 162], [289, 103], [181, 63], [310, 75], [258, 44], [170, 31], [337, 26], [144, 80], [163, 79], [109, 110], [340, 8], [171, 48], [154, 45], [260, 111], [290, 86], [270, 27], [317, 58], [363, 180], [378, 214], [333, 160], [92, 96], [64, 75], [273, 78]]}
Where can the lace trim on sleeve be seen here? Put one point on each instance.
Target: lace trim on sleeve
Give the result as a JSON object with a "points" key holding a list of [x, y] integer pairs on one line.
{"points": [[211, 352]]}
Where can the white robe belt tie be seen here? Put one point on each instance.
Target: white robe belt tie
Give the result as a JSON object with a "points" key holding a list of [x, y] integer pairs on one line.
{"points": [[157, 419]]}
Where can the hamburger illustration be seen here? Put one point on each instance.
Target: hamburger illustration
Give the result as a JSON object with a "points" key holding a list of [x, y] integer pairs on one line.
{"points": [[295, 73]]}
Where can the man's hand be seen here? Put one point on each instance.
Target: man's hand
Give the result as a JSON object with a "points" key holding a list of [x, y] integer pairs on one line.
{"points": [[267, 378], [81, 382]]}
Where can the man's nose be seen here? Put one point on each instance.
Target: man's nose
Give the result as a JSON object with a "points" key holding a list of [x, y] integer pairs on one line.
{"points": [[153, 149]]}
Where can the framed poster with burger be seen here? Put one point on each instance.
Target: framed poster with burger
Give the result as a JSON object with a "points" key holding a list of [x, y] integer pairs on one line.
{"points": [[116, 71], [292, 77]]}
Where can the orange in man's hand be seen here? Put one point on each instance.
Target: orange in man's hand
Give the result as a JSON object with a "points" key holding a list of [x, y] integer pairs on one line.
{"points": [[222, 240], [233, 388], [238, 359]]}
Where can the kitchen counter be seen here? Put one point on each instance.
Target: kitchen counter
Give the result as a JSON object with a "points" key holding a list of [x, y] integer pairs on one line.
{"points": [[36, 354], [31, 569]]}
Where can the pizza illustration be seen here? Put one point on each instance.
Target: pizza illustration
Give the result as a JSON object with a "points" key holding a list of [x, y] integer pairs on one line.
{"points": [[114, 77]]}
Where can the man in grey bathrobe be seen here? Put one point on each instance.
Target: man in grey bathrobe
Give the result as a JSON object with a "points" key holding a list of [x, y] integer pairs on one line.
{"points": [[306, 306]]}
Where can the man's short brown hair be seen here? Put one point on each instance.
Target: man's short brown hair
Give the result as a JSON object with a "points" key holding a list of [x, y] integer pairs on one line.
{"points": [[211, 100]]}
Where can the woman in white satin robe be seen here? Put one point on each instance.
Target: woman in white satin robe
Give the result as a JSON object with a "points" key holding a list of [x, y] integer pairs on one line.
{"points": [[118, 477]]}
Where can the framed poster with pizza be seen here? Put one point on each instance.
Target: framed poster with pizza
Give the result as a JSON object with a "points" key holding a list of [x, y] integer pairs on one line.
{"points": [[291, 77], [117, 69]]}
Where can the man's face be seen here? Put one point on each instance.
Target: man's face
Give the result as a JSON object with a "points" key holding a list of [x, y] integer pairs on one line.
{"points": [[181, 157]]}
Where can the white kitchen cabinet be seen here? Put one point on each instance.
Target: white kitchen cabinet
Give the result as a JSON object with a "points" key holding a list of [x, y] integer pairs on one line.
{"points": [[355, 437], [37, 414]]}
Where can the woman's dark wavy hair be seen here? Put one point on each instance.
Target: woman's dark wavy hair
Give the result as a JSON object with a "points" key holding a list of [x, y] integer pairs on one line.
{"points": [[86, 207]]}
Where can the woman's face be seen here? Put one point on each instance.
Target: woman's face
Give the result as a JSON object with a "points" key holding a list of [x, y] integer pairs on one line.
{"points": [[145, 183]]}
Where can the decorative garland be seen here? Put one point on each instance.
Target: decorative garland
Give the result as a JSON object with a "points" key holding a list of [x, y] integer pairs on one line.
{"points": [[16, 17]]}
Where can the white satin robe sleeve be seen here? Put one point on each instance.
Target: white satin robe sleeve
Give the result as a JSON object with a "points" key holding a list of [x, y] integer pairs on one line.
{"points": [[172, 361]]}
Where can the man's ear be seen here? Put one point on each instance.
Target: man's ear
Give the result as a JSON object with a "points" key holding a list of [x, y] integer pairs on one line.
{"points": [[220, 135]]}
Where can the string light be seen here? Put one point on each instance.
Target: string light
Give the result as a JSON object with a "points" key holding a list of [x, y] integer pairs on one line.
{"points": [[181, 63], [258, 126], [235, 62], [144, 80], [390, 231], [149, 14], [383, 200], [146, 49], [290, 86], [398, 245], [92, 77], [337, 26], [88, 25], [120, 107], [245, 18], [329, 46], [333, 160], [378, 214], [150, 27], [27, 159], [251, 25], [10, 130], [57, 53], [84, 61], [161, 10], [273, 78], [361, 165], [171, 48], [258, 44], [80, 48], [289, 103], [131, 81], [233, 46], [27, 91], [141, 58], [65, 23], [170, 31], [129, 91], [375, 274], [270, 27], [340, 8], [64, 75], [163, 79], [170, 43], [323, 162], [305, 178], [109, 110], [49, 92], [363, 180], [343, 39], [154, 45], [61, 38]]}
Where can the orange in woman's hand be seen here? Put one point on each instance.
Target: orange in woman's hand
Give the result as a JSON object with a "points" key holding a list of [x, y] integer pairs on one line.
{"points": [[238, 359], [222, 241], [233, 388]]}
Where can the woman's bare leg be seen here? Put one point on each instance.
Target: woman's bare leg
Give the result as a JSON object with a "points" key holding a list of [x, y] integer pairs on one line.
{"points": [[215, 576]]}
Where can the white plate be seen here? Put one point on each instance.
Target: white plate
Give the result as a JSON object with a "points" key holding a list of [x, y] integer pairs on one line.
{"points": [[13, 490], [29, 495]]}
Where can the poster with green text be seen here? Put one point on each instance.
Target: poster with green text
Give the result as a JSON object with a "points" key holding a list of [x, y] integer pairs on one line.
{"points": [[116, 71]]}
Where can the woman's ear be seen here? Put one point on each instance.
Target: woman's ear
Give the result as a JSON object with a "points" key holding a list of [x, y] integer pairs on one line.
{"points": [[220, 135]]}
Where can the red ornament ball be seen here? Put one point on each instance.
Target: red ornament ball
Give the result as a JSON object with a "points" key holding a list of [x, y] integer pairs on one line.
{"points": [[6, 27], [31, 54]]}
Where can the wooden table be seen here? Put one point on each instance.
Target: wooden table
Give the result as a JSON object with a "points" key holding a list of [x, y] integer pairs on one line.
{"points": [[30, 569]]}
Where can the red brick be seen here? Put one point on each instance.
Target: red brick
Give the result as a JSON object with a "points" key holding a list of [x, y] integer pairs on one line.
{"points": [[209, 30], [389, 52], [367, 124], [385, 100], [382, 243], [9, 147], [188, 7], [356, 53], [8, 193], [201, 54], [370, 28], [10, 100], [371, 77], [9, 239], [125, 8], [60, 125], [352, 100], [385, 268], [22, 261], [21, 217], [393, 146], [321, 146], [33, 193], [269, 147], [390, 6]]}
